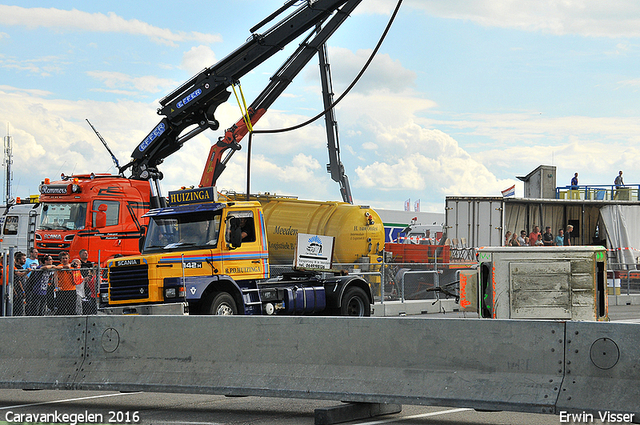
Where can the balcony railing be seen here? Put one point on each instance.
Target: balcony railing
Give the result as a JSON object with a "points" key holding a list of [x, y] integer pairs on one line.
{"points": [[599, 192]]}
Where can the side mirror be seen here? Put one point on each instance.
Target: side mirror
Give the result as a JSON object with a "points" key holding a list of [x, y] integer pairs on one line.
{"points": [[141, 239], [234, 233], [101, 216]]}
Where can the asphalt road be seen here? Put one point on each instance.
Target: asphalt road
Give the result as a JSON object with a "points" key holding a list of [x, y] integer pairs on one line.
{"points": [[189, 409]]}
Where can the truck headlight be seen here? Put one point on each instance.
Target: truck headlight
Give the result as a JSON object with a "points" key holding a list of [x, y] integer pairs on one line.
{"points": [[104, 297], [170, 293]]}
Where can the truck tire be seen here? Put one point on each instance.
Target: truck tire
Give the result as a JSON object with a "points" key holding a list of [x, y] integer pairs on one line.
{"points": [[223, 304], [355, 303]]}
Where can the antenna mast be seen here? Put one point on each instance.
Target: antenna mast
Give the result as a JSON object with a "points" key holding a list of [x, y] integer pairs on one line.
{"points": [[104, 142], [8, 160]]}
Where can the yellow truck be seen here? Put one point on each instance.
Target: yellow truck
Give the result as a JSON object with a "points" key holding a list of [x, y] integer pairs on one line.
{"points": [[201, 255]]}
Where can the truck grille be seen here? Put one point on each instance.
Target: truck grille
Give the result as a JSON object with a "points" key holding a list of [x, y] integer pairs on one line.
{"points": [[52, 248], [129, 283]]}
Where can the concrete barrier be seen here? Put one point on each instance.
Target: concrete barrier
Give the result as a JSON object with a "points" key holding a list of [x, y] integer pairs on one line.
{"points": [[602, 369], [41, 352], [485, 364], [527, 366]]}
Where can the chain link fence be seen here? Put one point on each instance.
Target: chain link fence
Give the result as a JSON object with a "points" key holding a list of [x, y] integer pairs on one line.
{"points": [[53, 292]]}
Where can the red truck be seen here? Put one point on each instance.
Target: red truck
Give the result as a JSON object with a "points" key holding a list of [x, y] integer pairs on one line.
{"points": [[101, 213]]}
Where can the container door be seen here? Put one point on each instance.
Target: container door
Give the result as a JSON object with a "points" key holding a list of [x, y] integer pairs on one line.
{"points": [[479, 221]]}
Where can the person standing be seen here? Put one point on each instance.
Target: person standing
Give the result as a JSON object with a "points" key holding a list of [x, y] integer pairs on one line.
{"points": [[31, 264], [89, 304], [547, 237], [507, 238], [619, 183], [19, 282], [65, 283], [44, 275], [534, 236], [574, 182], [79, 281], [560, 238], [521, 238], [567, 235]]}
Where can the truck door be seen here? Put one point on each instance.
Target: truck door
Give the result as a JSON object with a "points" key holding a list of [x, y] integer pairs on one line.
{"points": [[10, 231], [244, 251], [108, 240]]}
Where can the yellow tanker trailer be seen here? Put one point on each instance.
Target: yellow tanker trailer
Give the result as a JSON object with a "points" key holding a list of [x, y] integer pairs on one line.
{"points": [[358, 230]]}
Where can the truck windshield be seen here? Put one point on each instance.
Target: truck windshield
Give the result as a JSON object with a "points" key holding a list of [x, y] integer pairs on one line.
{"points": [[63, 216], [177, 232]]}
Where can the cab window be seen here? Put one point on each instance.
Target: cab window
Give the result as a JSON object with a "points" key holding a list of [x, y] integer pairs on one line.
{"points": [[113, 212], [247, 225], [11, 225]]}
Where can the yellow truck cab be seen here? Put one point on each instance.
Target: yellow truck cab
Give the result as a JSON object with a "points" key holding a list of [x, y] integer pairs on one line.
{"points": [[200, 256]]}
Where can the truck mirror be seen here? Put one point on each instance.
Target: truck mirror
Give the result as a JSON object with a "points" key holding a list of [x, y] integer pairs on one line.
{"points": [[234, 233], [141, 239], [101, 216]]}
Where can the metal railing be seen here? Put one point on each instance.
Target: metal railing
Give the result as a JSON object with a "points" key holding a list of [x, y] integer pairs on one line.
{"points": [[599, 192], [623, 278], [391, 281]]}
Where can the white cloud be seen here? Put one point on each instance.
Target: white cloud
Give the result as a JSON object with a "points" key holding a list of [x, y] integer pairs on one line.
{"points": [[117, 82], [198, 58], [587, 17], [376, 7], [529, 128], [44, 66], [635, 83], [76, 20], [51, 136], [419, 159], [383, 72]]}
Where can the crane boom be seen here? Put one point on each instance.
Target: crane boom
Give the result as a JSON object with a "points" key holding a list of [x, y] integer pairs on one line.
{"points": [[194, 103], [311, 45], [334, 167]]}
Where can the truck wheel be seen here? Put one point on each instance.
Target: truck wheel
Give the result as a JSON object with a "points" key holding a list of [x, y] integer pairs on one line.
{"points": [[223, 304], [355, 303]]}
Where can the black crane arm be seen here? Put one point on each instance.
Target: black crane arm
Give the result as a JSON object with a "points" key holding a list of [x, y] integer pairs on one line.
{"points": [[310, 46], [195, 102]]}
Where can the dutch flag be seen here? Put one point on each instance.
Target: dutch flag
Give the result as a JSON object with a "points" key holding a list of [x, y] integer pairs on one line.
{"points": [[510, 191]]}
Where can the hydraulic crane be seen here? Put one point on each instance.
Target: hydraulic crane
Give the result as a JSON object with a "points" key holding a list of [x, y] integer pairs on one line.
{"points": [[190, 109], [230, 142]]}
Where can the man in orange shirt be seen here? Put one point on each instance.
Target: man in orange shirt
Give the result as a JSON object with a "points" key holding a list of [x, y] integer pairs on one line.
{"points": [[533, 236], [66, 286]]}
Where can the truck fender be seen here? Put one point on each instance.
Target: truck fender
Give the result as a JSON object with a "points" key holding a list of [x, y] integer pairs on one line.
{"points": [[215, 284], [336, 287], [198, 287]]}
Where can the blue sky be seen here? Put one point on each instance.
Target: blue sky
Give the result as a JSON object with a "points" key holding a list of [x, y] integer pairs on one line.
{"points": [[462, 97]]}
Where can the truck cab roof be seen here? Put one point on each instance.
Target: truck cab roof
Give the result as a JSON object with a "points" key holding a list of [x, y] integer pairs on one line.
{"points": [[184, 209]]}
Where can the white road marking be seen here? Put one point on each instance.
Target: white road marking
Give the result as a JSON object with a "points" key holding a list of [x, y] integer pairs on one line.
{"points": [[65, 400], [423, 415]]}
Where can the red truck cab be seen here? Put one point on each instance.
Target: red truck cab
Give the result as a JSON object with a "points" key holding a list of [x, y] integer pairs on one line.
{"points": [[101, 213]]}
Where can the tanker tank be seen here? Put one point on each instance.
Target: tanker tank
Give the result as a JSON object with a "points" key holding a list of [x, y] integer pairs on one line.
{"points": [[358, 230]]}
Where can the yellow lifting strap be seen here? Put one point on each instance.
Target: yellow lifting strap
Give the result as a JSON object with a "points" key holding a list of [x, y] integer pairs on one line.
{"points": [[243, 107]]}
